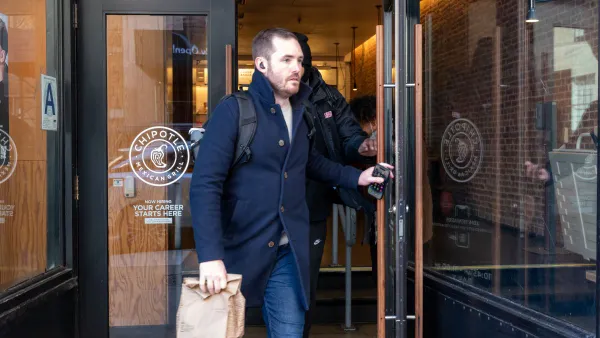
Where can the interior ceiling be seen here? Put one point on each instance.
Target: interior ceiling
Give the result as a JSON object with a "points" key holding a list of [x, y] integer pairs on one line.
{"points": [[323, 21]]}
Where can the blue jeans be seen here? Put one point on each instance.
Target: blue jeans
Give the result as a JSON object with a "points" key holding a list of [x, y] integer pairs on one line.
{"points": [[283, 312]]}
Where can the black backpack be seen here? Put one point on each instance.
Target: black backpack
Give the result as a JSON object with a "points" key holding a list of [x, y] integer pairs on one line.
{"points": [[246, 129]]}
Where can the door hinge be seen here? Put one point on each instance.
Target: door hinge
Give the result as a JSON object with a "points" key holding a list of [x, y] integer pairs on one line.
{"points": [[75, 17], [76, 188]]}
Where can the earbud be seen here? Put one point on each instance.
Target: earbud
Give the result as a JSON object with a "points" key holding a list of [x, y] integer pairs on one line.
{"points": [[262, 66]]}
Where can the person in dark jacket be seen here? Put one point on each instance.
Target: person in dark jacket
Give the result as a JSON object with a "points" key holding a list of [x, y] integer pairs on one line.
{"points": [[253, 220], [338, 137], [365, 112]]}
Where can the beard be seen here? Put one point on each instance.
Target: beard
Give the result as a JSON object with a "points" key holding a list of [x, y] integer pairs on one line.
{"points": [[284, 86]]}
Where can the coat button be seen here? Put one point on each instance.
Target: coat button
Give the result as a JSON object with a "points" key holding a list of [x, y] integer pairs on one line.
{"points": [[285, 175], [273, 111], [271, 244], [282, 209], [281, 143]]}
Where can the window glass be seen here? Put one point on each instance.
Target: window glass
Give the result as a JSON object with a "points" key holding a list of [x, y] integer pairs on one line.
{"points": [[157, 91], [28, 153], [510, 128]]}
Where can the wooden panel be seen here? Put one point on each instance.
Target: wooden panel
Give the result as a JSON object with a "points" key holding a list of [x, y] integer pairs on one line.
{"points": [[381, 265], [136, 91], [23, 235]]}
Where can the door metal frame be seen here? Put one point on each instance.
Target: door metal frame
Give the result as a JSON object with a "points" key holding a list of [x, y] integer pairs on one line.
{"points": [[399, 47], [92, 160], [395, 236]]}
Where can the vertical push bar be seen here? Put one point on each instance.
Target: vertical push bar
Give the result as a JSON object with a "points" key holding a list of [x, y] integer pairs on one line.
{"points": [[228, 69], [380, 218], [419, 173]]}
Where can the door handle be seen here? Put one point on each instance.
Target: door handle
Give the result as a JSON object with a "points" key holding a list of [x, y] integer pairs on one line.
{"points": [[418, 85], [380, 115], [228, 69]]}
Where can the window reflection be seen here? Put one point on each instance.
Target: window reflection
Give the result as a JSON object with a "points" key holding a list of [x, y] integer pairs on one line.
{"points": [[510, 124], [156, 82], [29, 187]]}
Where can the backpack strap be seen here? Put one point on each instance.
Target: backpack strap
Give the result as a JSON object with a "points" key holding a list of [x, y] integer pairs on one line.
{"points": [[246, 128], [310, 121]]}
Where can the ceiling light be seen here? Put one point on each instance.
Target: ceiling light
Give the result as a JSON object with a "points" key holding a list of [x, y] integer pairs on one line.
{"points": [[531, 17]]}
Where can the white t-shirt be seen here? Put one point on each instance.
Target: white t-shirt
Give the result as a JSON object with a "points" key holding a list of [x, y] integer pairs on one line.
{"points": [[287, 115]]}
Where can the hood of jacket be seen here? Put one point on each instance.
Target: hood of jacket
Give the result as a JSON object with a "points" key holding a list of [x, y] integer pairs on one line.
{"points": [[316, 84]]}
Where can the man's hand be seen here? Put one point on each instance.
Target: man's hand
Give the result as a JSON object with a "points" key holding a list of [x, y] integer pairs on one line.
{"points": [[367, 177], [368, 148], [213, 277], [535, 171]]}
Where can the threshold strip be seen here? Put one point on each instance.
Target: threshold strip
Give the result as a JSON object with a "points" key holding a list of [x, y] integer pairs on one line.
{"points": [[509, 266]]}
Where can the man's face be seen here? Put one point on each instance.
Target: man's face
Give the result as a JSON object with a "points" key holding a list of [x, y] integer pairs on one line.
{"points": [[369, 127], [285, 67]]}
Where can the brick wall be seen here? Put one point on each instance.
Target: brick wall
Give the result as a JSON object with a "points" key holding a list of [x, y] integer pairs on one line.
{"points": [[534, 68]]}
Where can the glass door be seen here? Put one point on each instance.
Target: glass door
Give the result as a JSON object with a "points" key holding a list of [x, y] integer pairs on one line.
{"points": [[510, 125], [136, 114]]}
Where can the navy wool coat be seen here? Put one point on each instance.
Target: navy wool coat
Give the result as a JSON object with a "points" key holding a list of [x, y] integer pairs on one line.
{"points": [[238, 216]]}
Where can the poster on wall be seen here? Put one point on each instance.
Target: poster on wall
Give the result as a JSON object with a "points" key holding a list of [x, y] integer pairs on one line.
{"points": [[4, 102]]}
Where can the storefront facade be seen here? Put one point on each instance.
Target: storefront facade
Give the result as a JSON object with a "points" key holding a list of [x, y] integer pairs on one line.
{"points": [[494, 114], [38, 280]]}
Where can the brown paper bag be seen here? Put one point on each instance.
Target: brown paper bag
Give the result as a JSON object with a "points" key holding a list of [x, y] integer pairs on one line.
{"points": [[201, 315]]}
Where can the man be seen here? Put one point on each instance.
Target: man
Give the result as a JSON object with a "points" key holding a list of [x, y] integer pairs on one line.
{"points": [[253, 220], [365, 112], [340, 138]]}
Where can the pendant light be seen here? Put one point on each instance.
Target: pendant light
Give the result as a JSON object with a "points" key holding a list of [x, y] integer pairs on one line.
{"points": [[531, 17], [354, 88], [337, 58]]}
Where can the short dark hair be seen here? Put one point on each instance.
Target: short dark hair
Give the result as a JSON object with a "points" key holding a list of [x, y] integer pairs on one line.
{"points": [[3, 36], [262, 45], [364, 108]]}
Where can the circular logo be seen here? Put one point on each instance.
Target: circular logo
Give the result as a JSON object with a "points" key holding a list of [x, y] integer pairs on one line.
{"points": [[159, 156], [589, 170], [8, 156], [462, 152]]}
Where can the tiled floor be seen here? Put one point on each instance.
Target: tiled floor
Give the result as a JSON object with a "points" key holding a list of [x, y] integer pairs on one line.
{"points": [[323, 331]]}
